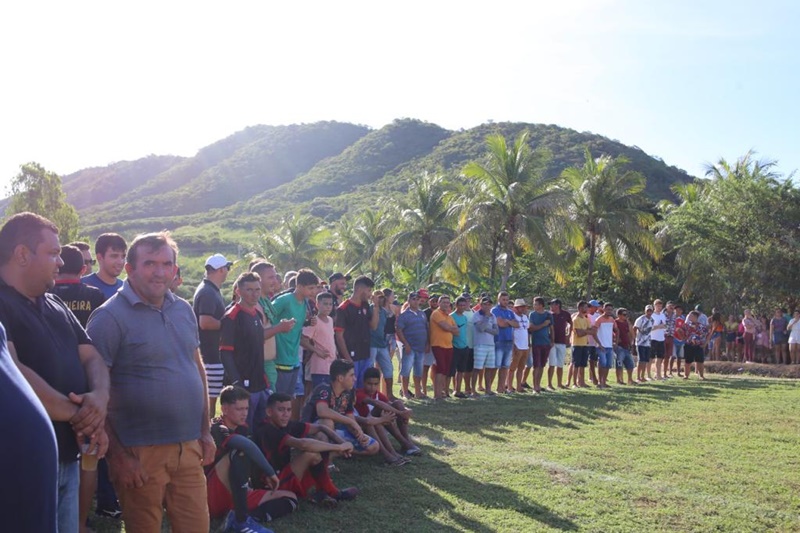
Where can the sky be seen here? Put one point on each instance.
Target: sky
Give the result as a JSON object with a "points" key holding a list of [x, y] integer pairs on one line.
{"points": [[89, 83]]}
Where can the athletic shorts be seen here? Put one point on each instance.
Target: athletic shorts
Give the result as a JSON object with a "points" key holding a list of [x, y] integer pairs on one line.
{"points": [[215, 373], [540, 353], [287, 381], [483, 356], [558, 353], [730, 337], [519, 358], [693, 354], [644, 354], [444, 359], [463, 360], [220, 500], [429, 359], [580, 356], [657, 349]]}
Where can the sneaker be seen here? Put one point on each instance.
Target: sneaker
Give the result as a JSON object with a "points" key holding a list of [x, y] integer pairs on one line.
{"points": [[349, 493], [248, 526], [323, 500]]}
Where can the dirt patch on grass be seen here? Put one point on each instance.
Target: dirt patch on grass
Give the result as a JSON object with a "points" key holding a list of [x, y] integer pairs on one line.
{"points": [[560, 476], [753, 369]]}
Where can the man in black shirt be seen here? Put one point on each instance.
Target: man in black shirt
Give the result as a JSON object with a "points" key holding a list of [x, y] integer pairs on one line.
{"points": [[51, 349], [353, 323], [337, 283], [209, 307], [242, 346], [308, 466], [80, 298]]}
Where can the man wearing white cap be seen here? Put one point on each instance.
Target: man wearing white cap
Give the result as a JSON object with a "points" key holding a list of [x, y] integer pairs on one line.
{"points": [[209, 307]]}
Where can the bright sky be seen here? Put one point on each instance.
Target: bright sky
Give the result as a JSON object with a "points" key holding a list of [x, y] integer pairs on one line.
{"points": [[88, 83]]}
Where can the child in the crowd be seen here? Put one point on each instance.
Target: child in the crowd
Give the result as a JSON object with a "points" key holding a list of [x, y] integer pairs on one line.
{"points": [[320, 341]]}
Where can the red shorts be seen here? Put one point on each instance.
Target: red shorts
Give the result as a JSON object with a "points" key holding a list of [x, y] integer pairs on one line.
{"points": [[444, 359], [288, 481], [220, 500]]}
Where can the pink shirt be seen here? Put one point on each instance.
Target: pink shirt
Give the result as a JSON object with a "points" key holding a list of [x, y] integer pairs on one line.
{"points": [[323, 337]]}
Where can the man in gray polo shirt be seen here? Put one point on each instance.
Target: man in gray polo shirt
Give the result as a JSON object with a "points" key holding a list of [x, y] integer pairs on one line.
{"points": [[158, 422]]}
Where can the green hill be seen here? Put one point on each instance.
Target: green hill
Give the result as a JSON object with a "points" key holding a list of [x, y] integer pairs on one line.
{"points": [[254, 177]]}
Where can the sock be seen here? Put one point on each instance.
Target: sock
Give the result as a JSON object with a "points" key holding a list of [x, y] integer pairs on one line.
{"points": [[275, 508], [238, 477]]}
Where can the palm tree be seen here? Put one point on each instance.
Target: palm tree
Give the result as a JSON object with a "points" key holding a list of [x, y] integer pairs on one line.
{"points": [[296, 243], [512, 201], [606, 214], [424, 225], [359, 238]]}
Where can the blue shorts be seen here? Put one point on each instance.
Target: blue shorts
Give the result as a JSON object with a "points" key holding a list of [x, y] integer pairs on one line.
{"points": [[287, 381], [605, 357], [349, 437], [624, 358], [503, 352], [644, 354], [411, 359], [580, 356], [383, 357]]}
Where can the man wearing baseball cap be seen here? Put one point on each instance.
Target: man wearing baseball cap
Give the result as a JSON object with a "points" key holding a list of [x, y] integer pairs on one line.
{"points": [[209, 308], [337, 284]]}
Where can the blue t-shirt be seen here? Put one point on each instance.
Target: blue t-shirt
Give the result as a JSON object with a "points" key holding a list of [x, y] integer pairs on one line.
{"points": [[108, 290], [506, 333], [460, 340], [377, 337], [29, 462], [542, 336], [414, 325]]}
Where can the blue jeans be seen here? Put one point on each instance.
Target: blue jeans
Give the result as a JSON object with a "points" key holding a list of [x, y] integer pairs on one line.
{"points": [[412, 359], [68, 479], [258, 409], [502, 354], [360, 367], [605, 357], [624, 358], [384, 360]]}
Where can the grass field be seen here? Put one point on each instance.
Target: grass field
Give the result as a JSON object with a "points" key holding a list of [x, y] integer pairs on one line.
{"points": [[719, 455]]}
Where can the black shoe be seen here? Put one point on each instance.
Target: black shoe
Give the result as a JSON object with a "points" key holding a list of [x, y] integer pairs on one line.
{"points": [[526, 386], [347, 494]]}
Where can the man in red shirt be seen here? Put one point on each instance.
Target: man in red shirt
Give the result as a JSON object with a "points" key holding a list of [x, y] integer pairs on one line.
{"points": [[623, 347]]}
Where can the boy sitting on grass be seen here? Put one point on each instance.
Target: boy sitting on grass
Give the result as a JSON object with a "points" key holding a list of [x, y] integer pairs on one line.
{"points": [[228, 477], [380, 416], [333, 405], [307, 466]]}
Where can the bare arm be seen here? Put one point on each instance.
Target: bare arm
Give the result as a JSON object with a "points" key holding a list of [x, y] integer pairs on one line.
{"points": [[59, 408], [316, 429], [208, 322], [314, 445], [323, 411], [92, 414], [206, 441], [448, 327], [341, 345]]}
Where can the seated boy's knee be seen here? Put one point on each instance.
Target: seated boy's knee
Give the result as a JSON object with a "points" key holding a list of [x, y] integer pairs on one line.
{"points": [[373, 448]]}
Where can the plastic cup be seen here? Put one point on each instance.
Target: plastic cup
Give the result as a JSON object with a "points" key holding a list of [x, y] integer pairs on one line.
{"points": [[88, 458]]}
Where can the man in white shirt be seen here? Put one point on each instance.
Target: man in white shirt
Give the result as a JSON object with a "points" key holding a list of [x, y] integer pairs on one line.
{"points": [[657, 337]]}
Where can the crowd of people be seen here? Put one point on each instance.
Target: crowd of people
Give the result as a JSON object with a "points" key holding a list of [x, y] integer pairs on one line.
{"points": [[234, 407]]}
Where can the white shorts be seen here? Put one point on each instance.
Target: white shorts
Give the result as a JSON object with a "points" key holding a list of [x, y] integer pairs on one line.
{"points": [[558, 353]]}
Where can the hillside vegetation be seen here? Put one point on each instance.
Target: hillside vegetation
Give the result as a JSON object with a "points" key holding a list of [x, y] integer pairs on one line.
{"points": [[254, 177]]}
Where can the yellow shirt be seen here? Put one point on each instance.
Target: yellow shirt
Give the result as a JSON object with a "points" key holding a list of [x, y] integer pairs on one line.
{"points": [[579, 322], [439, 336]]}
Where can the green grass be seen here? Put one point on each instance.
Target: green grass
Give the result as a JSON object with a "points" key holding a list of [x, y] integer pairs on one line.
{"points": [[720, 455]]}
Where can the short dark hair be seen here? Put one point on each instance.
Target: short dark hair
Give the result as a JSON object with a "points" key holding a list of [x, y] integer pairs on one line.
{"points": [[73, 260], [324, 295], [501, 293], [278, 397], [151, 241], [259, 265], [340, 367], [306, 277], [372, 373], [538, 300], [23, 229], [232, 394], [363, 281], [110, 240], [461, 300], [247, 277], [582, 303], [82, 246], [387, 291]]}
